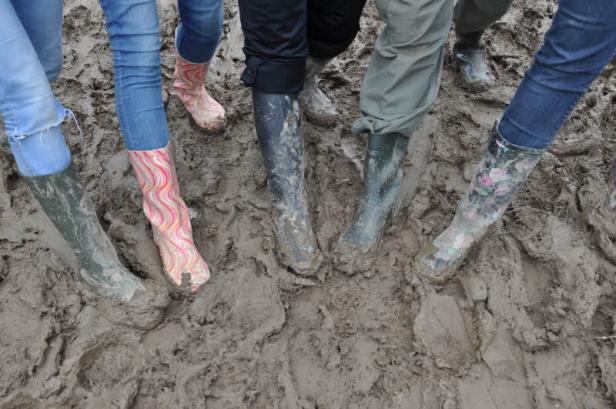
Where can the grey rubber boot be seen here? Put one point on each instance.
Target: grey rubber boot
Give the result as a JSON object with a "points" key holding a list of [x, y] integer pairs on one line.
{"points": [[62, 197], [470, 55], [277, 120], [383, 175], [501, 173], [317, 107]]}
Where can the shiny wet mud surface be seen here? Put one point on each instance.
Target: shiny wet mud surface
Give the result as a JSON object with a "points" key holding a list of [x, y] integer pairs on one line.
{"points": [[529, 323]]}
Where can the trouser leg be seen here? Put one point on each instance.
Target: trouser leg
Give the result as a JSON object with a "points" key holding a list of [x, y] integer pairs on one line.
{"points": [[403, 77], [200, 29], [31, 112], [135, 43], [275, 44]]}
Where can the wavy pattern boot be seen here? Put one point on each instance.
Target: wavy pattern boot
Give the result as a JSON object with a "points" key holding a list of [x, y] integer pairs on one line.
{"points": [[188, 85], [500, 174], [383, 175], [62, 197], [317, 107], [277, 120], [168, 214]]}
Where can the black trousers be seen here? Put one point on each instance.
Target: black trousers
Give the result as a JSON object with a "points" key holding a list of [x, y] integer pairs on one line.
{"points": [[280, 34]]}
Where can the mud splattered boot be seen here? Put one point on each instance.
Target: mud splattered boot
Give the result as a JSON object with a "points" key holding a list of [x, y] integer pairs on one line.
{"points": [[383, 175], [188, 85], [62, 197], [317, 107], [470, 54], [502, 171], [165, 209], [277, 120]]}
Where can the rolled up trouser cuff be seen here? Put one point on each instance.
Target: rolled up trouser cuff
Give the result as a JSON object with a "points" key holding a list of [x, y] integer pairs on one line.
{"points": [[274, 76]]}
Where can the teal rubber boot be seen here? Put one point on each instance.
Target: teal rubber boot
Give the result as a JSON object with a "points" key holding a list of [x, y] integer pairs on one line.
{"points": [[383, 175], [62, 197]]}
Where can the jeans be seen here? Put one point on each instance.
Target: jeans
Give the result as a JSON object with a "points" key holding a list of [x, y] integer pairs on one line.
{"points": [[31, 58], [200, 29], [578, 45]]}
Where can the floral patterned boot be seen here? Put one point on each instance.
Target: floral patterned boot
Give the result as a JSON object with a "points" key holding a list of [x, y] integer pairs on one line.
{"points": [[502, 171], [165, 209], [188, 85]]}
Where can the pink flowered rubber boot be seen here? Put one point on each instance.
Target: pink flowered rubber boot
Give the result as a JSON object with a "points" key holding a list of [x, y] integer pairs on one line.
{"points": [[169, 216], [501, 173], [189, 86]]}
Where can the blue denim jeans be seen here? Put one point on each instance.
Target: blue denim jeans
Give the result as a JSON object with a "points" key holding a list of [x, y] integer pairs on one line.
{"points": [[578, 45], [31, 58], [200, 29]]}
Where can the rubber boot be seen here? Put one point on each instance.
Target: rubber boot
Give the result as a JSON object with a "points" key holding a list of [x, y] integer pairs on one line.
{"points": [[188, 85], [501, 173], [317, 107], [383, 175], [470, 54], [62, 197], [278, 125], [170, 219]]}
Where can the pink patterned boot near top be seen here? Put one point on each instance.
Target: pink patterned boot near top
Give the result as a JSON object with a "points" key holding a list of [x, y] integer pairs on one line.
{"points": [[169, 216], [189, 86]]}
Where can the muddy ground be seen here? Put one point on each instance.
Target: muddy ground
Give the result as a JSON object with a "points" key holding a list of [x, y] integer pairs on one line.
{"points": [[530, 323]]}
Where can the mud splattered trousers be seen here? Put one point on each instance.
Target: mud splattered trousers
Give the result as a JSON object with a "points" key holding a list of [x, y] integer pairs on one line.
{"points": [[31, 58], [200, 29], [579, 44]]}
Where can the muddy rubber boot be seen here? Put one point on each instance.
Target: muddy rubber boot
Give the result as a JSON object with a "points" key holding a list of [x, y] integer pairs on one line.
{"points": [[500, 174], [62, 197], [383, 175], [189, 87], [277, 121], [170, 219], [469, 52], [317, 107]]}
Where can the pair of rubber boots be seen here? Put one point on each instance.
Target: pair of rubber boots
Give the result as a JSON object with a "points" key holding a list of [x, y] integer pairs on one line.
{"points": [[278, 125]]}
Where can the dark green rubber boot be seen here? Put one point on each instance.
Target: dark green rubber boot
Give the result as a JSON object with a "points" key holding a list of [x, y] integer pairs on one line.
{"points": [[277, 120], [63, 199], [383, 174]]}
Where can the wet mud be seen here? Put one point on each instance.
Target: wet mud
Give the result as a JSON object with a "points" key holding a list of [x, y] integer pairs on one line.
{"points": [[529, 322]]}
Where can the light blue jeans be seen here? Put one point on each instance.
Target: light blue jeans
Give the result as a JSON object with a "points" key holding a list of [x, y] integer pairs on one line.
{"points": [[200, 29], [31, 58]]}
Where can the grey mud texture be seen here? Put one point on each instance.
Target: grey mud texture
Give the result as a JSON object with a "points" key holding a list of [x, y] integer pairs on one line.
{"points": [[528, 322]]}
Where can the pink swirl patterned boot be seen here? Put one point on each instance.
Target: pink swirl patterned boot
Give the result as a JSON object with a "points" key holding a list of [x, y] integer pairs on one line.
{"points": [[169, 216], [188, 85]]}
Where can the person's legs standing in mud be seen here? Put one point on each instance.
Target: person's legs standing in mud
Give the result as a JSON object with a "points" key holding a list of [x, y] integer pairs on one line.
{"points": [[31, 38], [578, 45], [399, 87], [472, 18], [196, 39], [134, 33], [332, 27], [276, 48]]}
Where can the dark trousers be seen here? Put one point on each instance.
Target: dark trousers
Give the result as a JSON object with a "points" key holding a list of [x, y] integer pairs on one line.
{"points": [[280, 34]]}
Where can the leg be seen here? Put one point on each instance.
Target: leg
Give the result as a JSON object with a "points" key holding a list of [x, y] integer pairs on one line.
{"points": [[332, 26], [197, 37], [134, 33], [32, 116], [276, 48], [578, 45], [400, 85], [472, 18]]}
